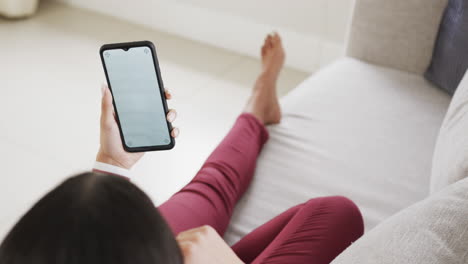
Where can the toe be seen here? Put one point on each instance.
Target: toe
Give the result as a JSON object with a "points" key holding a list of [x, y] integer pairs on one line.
{"points": [[276, 40], [278, 45], [266, 39], [265, 43], [270, 41], [276, 37]]}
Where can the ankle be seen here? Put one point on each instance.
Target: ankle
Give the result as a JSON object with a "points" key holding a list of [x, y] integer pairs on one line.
{"points": [[255, 109], [266, 78], [271, 72], [257, 116]]}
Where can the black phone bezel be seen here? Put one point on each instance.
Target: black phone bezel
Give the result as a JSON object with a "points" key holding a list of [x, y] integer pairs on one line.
{"points": [[126, 46]]}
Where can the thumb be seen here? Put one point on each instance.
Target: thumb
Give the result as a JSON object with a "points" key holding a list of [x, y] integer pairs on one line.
{"points": [[107, 109]]}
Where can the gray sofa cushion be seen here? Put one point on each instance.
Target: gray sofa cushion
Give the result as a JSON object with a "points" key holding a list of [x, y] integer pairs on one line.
{"points": [[450, 160], [450, 58], [398, 34], [432, 231]]}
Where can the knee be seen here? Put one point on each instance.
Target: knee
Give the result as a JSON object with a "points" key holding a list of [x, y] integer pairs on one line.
{"points": [[344, 204], [343, 212]]}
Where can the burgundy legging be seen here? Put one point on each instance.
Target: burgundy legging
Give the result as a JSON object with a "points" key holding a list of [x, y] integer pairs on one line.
{"points": [[313, 232]]}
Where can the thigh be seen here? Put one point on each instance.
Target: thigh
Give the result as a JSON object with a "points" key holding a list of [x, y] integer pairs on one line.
{"points": [[314, 232]]}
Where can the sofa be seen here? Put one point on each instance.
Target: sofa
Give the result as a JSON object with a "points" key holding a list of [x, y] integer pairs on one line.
{"points": [[366, 127]]}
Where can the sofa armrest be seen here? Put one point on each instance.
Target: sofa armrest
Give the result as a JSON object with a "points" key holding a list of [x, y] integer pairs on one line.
{"points": [[395, 33]]}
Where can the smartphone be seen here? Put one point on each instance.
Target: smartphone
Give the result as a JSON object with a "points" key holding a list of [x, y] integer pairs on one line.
{"points": [[133, 76]]}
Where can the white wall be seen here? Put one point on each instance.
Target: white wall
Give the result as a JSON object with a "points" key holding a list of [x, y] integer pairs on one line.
{"points": [[313, 30]]}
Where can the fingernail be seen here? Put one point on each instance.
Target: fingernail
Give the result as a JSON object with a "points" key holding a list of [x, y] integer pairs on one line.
{"points": [[175, 132], [171, 116], [103, 89]]}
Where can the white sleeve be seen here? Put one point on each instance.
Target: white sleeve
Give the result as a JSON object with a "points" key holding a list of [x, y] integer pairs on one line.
{"points": [[111, 169]]}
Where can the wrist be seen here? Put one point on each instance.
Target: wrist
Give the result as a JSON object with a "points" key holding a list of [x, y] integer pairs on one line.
{"points": [[104, 158]]}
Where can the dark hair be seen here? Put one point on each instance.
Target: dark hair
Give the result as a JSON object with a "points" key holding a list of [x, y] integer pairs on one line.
{"points": [[92, 218]]}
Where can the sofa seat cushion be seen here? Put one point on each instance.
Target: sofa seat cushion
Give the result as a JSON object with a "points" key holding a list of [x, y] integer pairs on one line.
{"points": [[352, 129]]}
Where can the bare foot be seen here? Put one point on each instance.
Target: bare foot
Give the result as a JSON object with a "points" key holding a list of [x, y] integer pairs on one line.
{"points": [[263, 102]]}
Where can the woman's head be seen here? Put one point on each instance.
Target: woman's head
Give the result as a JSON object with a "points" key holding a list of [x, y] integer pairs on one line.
{"points": [[92, 218]]}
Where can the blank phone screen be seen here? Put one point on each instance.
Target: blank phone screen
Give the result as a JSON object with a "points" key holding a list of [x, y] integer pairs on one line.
{"points": [[138, 102]]}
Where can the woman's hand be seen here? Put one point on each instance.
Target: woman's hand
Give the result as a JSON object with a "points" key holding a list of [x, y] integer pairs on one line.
{"points": [[111, 150], [203, 245]]}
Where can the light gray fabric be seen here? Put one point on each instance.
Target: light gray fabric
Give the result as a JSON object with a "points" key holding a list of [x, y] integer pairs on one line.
{"points": [[450, 162], [433, 231], [352, 129], [395, 33]]}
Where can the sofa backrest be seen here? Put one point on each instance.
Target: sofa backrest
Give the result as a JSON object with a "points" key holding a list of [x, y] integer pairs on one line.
{"points": [[395, 33]]}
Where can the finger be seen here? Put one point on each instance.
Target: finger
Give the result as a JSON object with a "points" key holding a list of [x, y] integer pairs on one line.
{"points": [[107, 109], [185, 244], [188, 249], [171, 115], [187, 235], [168, 94], [191, 233], [175, 132]]}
